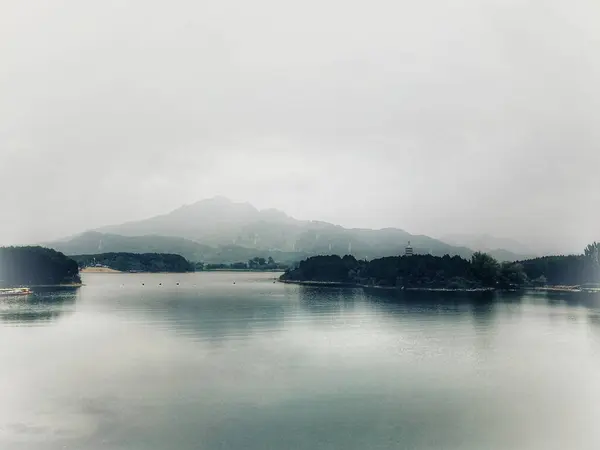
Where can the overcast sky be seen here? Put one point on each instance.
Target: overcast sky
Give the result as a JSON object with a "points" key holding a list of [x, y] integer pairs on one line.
{"points": [[433, 116]]}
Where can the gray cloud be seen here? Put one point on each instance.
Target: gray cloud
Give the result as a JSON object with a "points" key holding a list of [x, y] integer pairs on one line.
{"points": [[432, 116]]}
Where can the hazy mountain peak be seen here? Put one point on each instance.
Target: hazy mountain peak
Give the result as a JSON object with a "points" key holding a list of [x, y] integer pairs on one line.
{"points": [[219, 206], [217, 201], [487, 242]]}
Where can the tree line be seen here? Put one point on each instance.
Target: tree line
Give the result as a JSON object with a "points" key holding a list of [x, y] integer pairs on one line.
{"points": [[453, 272], [566, 270]]}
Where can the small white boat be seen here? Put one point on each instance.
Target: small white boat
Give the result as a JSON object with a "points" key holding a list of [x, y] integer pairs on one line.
{"points": [[15, 291]]}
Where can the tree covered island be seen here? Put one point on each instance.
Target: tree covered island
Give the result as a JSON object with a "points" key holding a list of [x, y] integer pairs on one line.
{"points": [[36, 266], [481, 271]]}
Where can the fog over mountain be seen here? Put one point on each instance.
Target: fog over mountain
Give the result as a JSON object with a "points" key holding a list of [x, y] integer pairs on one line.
{"points": [[220, 230], [435, 117]]}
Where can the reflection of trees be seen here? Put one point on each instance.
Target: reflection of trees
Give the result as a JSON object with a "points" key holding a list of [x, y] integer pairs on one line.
{"points": [[43, 306], [594, 326], [483, 309], [586, 299], [479, 304]]}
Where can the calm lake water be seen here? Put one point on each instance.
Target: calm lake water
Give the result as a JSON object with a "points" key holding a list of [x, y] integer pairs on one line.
{"points": [[255, 365]]}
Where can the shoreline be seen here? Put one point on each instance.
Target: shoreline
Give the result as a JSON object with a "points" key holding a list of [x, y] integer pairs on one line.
{"points": [[319, 283], [546, 289], [70, 285], [113, 272], [99, 270], [241, 270], [118, 272]]}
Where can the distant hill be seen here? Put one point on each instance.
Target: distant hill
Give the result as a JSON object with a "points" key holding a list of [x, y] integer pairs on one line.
{"points": [[221, 231]]}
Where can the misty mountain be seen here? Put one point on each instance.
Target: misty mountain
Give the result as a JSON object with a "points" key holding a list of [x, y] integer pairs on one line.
{"points": [[487, 243], [219, 222], [219, 230]]}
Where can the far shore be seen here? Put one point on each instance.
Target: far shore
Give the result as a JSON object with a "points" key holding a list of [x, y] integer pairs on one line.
{"points": [[109, 270], [64, 285], [374, 286], [241, 270]]}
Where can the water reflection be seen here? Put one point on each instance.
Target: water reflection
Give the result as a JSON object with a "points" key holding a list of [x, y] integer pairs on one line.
{"points": [[217, 318], [44, 306], [202, 312], [221, 310], [480, 305], [483, 310], [328, 300], [586, 299], [256, 365]]}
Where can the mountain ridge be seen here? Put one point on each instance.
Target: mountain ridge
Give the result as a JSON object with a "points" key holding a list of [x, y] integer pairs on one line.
{"points": [[202, 228]]}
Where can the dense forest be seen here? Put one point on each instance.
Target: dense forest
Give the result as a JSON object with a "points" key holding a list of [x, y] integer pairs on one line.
{"points": [[31, 266], [427, 271], [137, 262]]}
